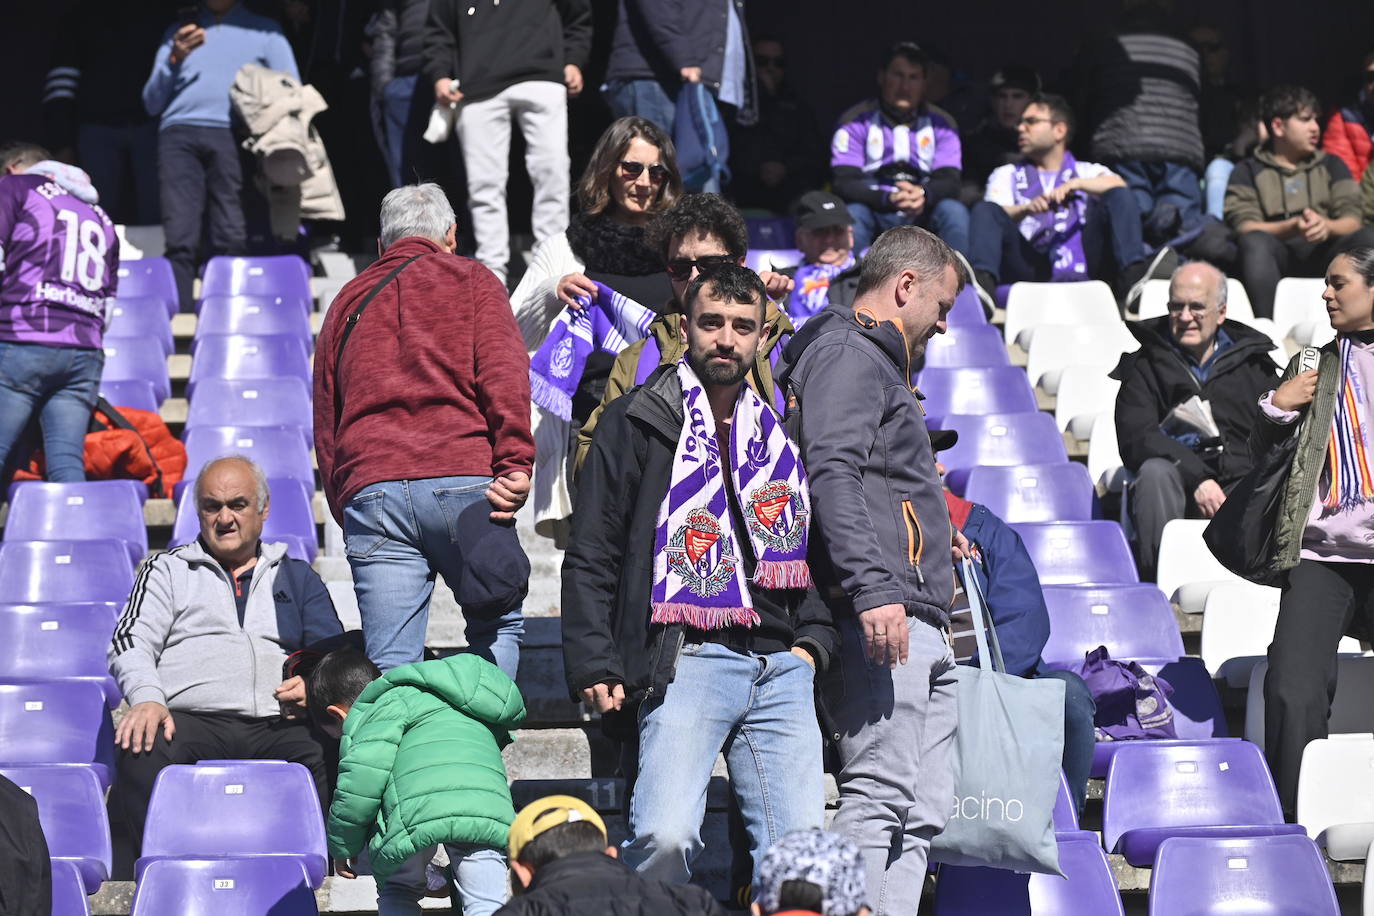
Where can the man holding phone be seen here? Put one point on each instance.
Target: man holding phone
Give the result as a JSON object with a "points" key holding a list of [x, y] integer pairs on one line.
{"points": [[198, 160]]}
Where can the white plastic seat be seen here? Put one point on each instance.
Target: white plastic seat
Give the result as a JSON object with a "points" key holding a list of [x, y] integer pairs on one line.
{"points": [[1187, 569], [140, 241], [1105, 466], [1237, 627], [1351, 712], [1298, 301], [1085, 393], [1030, 305], [1336, 794], [1061, 346], [1154, 301]]}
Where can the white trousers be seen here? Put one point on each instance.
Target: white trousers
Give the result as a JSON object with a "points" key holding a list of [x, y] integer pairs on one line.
{"points": [[541, 109]]}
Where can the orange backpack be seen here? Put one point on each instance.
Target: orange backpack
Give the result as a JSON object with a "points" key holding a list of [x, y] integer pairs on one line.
{"points": [[125, 444]]}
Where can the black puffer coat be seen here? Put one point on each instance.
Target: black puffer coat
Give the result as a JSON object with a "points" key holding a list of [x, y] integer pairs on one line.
{"points": [[593, 884]]}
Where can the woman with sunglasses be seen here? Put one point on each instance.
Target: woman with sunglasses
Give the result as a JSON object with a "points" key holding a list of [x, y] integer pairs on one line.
{"points": [[632, 175]]}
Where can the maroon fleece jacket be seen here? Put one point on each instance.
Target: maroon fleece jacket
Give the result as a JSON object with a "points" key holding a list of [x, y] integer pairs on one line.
{"points": [[434, 381]]}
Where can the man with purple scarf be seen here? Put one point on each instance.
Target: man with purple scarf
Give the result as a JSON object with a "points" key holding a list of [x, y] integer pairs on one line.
{"points": [[688, 611], [59, 260], [1049, 217]]}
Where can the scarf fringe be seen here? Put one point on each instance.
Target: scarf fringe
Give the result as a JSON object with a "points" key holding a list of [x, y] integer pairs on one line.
{"points": [[704, 618], [548, 396], [782, 574]]}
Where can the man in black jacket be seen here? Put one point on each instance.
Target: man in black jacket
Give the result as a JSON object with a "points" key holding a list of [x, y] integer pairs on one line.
{"points": [[562, 859], [519, 61], [648, 636], [1193, 353]]}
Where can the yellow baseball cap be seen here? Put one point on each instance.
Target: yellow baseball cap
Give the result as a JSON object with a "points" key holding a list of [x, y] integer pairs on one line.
{"points": [[549, 811]]}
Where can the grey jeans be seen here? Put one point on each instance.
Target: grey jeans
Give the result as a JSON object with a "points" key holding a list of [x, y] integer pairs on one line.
{"points": [[896, 745]]}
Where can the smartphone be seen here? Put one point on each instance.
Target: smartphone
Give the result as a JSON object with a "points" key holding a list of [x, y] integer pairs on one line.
{"points": [[1309, 358], [187, 15]]}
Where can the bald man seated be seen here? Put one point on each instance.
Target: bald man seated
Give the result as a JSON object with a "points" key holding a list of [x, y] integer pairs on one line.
{"points": [[1193, 352], [198, 650]]}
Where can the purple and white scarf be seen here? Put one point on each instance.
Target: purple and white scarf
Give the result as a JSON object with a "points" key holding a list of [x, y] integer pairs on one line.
{"points": [[608, 322], [811, 289], [1057, 233], [699, 577]]}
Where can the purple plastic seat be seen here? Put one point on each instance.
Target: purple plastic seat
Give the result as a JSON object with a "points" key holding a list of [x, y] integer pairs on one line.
{"points": [[292, 515], [281, 276], [68, 890], [141, 316], [71, 810], [137, 487], [251, 315], [1199, 717], [130, 392], [66, 641], [51, 722], [149, 277], [246, 356], [968, 309], [1065, 817], [1088, 888], [966, 347], [90, 510], [1078, 553], [255, 809], [1001, 389], [256, 402], [772, 258], [137, 359], [1257, 876], [34, 571], [1132, 621], [229, 886], [999, 440], [1034, 492], [280, 451], [1217, 790], [770, 231]]}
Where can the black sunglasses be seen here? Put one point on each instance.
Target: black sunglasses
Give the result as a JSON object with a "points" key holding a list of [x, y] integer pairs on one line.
{"points": [[657, 173], [681, 268]]}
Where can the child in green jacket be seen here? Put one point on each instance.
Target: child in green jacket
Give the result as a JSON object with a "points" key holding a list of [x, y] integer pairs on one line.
{"points": [[419, 765]]}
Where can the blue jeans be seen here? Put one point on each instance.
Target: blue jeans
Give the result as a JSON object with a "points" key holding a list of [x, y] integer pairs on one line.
{"points": [[479, 871], [400, 534], [404, 113], [644, 98], [1155, 183], [999, 248], [1214, 182], [1080, 738], [60, 385], [760, 711], [949, 219]]}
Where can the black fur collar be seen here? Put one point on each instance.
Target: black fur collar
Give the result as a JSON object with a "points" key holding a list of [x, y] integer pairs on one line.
{"points": [[606, 246]]}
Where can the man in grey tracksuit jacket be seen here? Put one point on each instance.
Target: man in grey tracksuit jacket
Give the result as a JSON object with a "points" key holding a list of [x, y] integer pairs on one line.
{"points": [[885, 560], [182, 642]]}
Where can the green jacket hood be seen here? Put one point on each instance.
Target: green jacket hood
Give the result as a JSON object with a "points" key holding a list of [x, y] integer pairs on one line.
{"points": [[1266, 155], [471, 685]]}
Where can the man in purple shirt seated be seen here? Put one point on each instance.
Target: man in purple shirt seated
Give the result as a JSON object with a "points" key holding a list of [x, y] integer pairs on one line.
{"points": [[59, 260], [896, 160]]}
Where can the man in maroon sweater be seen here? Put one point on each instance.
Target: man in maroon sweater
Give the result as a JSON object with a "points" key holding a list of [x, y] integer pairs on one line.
{"points": [[422, 408]]}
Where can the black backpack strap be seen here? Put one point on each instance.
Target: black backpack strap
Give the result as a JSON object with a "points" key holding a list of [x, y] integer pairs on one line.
{"points": [[352, 321], [159, 489]]}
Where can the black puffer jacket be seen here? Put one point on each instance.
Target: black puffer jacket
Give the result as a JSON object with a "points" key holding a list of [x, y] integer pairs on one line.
{"points": [[593, 884], [1155, 379], [491, 47]]}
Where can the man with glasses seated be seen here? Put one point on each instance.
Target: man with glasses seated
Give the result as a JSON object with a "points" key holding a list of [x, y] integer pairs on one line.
{"points": [[1050, 217], [1191, 355], [700, 234]]}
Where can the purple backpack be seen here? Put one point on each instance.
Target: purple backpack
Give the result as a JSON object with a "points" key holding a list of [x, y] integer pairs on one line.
{"points": [[1131, 702]]}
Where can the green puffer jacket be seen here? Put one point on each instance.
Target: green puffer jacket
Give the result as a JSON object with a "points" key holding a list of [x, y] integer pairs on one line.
{"points": [[1313, 431], [420, 762]]}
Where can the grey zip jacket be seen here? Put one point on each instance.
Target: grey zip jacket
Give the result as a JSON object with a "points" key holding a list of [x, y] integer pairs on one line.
{"points": [[879, 505], [179, 641]]}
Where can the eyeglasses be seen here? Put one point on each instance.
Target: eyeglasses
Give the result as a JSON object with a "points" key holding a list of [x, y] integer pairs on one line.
{"points": [[681, 268], [768, 60], [657, 173], [1196, 309], [1031, 122]]}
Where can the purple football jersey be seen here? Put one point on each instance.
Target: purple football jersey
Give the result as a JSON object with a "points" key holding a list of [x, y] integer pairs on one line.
{"points": [[59, 264]]}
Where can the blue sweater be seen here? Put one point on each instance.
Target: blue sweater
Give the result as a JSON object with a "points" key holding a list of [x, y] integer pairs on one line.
{"points": [[1012, 589], [196, 90]]}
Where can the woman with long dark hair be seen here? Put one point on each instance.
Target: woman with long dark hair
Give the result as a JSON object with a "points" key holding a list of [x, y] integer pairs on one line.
{"points": [[1324, 533], [632, 175]]}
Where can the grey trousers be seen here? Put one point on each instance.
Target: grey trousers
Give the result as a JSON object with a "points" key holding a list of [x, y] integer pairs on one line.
{"points": [[1157, 498], [896, 746]]}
